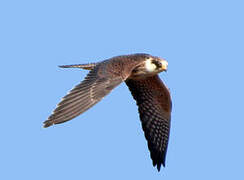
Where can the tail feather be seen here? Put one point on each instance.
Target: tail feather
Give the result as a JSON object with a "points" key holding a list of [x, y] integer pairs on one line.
{"points": [[89, 66]]}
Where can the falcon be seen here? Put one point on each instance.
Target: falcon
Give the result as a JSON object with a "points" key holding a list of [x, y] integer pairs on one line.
{"points": [[140, 73]]}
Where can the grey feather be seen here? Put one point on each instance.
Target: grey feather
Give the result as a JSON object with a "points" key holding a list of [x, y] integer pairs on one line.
{"points": [[83, 96]]}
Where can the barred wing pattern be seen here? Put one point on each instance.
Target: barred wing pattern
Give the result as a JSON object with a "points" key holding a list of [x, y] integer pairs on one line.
{"points": [[83, 96], [154, 102]]}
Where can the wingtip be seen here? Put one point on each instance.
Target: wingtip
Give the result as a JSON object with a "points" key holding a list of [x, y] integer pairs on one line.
{"points": [[47, 124], [158, 165]]}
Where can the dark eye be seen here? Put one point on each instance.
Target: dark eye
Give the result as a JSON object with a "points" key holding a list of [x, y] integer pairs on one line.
{"points": [[157, 63]]}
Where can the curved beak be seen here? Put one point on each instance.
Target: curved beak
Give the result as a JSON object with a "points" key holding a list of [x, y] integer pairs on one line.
{"points": [[164, 64]]}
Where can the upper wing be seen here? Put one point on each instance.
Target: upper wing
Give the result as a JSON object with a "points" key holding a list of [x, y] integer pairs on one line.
{"points": [[153, 99], [91, 90]]}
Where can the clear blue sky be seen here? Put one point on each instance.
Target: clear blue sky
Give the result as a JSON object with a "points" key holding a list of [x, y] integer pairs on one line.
{"points": [[203, 42]]}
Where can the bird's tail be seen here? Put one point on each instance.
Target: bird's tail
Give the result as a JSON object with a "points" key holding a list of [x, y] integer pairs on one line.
{"points": [[89, 66]]}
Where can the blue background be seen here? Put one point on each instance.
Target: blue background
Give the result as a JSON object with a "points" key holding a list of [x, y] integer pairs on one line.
{"points": [[203, 42]]}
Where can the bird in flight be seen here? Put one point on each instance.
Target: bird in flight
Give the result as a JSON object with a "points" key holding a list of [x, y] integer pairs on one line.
{"points": [[140, 73]]}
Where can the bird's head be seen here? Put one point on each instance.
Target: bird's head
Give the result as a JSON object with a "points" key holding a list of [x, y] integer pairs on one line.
{"points": [[155, 64], [149, 66]]}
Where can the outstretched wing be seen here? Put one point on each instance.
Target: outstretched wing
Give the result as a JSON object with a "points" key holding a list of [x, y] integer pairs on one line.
{"points": [[154, 102], [83, 96]]}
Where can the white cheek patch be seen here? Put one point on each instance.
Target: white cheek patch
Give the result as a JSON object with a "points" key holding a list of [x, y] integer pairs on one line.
{"points": [[150, 67]]}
